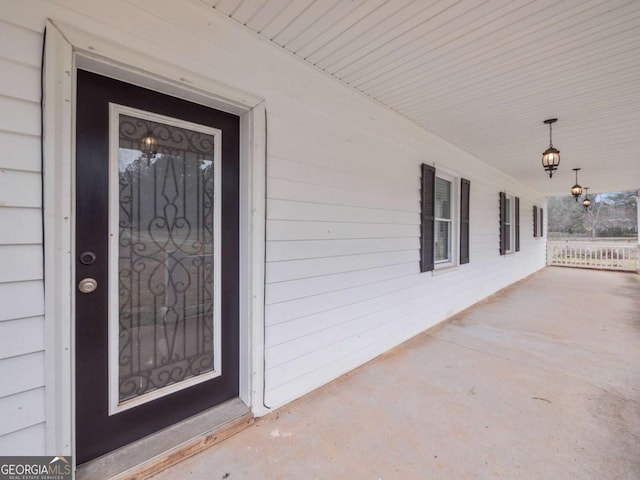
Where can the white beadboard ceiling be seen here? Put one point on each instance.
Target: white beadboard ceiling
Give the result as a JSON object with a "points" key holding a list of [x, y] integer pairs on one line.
{"points": [[484, 74]]}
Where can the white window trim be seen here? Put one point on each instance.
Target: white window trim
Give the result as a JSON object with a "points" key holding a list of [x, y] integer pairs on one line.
{"points": [[68, 48], [454, 260]]}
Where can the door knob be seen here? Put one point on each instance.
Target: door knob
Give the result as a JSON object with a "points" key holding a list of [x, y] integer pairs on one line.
{"points": [[87, 285]]}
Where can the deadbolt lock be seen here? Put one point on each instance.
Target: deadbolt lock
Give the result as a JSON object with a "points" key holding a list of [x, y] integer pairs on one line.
{"points": [[87, 285], [87, 258]]}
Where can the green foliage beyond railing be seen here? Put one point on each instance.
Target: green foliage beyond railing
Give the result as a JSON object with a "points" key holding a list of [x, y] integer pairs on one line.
{"points": [[598, 255]]}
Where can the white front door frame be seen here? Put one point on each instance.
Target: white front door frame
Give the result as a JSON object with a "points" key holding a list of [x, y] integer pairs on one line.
{"points": [[68, 48]]}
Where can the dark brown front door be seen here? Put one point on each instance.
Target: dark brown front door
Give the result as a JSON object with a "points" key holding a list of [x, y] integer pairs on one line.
{"points": [[157, 183]]}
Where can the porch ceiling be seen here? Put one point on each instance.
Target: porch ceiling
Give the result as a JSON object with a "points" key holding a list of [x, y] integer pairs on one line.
{"points": [[484, 74]]}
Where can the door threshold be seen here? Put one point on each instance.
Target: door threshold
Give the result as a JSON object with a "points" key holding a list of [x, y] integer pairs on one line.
{"points": [[150, 455]]}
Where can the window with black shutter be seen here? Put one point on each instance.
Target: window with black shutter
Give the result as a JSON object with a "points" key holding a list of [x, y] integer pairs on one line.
{"points": [[465, 189], [444, 224], [535, 221], [541, 223], [428, 181]]}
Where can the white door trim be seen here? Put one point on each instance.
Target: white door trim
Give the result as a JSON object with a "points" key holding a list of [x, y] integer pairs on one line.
{"points": [[68, 48]]}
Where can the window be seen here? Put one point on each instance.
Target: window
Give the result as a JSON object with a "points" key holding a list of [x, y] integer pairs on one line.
{"points": [[443, 223], [440, 211], [509, 223]]}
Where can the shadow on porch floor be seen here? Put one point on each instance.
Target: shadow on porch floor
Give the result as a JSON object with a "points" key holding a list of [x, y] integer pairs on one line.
{"points": [[540, 381]]}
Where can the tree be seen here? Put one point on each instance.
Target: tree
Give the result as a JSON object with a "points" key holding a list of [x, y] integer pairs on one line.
{"points": [[592, 217], [616, 214], [611, 214], [565, 215]]}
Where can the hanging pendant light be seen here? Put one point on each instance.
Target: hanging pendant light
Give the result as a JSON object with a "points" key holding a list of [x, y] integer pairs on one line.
{"points": [[551, 156], [149, 145], [586, 202], [576, 190]]}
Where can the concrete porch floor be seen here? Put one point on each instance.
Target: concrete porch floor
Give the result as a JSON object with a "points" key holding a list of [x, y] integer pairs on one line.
{"points": [[539, 381]]}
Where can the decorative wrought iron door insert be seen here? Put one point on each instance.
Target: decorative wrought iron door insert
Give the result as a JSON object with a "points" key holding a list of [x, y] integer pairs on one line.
{"points": [[164, 256]]}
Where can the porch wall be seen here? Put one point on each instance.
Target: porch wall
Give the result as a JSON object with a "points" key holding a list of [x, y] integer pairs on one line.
{"points": [[343, 281], [21, 288]]}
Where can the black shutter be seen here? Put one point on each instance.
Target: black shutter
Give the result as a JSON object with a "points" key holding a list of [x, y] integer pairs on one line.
{"points": [[503, 222], [535, 221], [427, 220], [517, 224], [465, 188], [541, 223]]}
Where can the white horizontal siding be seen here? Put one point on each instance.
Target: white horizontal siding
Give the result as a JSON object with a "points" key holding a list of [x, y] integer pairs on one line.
{"points": [[315, 324], [335, 136], [21, 295], [20, 189], [22, 410], [21, 300], [343, 193], [306, 287], [320, 175], [314, 267], [23, 225], [19, 80], [13, 369], [24, 118], [20, 337], [309, 192], [295, 210], [386, 305], [19, 42], [320, 341], [302, 307], [28, 441], [358, 354], [330, 345], [19, 263], [20, 152], [335, 153], [316, 230], [296, 250]]}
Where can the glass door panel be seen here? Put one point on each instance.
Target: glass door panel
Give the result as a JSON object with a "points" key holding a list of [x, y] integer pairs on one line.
{"points": [[164, 256]]}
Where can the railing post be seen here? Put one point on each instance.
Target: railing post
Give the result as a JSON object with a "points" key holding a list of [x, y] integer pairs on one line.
{"points": [[638, 231]]}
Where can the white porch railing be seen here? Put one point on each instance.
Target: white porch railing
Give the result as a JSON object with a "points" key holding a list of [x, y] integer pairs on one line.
{"points": [[604, 256]]}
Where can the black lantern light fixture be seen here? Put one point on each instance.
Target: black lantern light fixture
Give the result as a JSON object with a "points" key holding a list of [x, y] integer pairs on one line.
{"points": [[586, 202], [576, 190], [551, 156]]}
